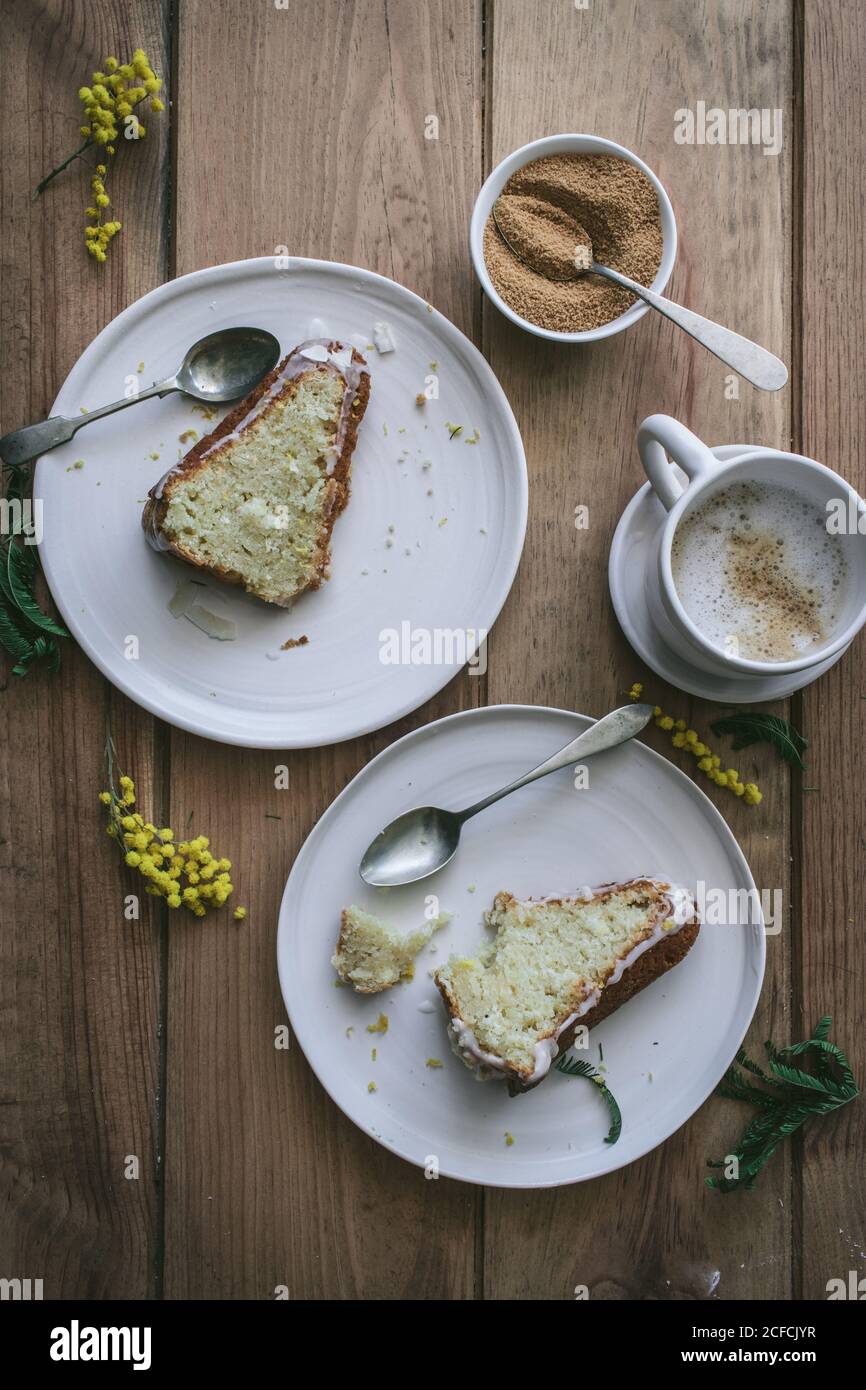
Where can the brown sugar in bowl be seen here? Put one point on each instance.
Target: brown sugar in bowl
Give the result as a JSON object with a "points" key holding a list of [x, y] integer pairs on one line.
{"points": [[562, 145]]}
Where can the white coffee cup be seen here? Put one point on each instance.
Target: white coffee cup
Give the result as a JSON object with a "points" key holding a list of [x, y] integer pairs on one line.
{"points": [[661, 438]]}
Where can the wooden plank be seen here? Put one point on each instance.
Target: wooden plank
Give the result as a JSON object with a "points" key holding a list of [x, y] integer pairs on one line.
{"points": [[268, 1184], [830, 853], [622, 70], [80, 985]]}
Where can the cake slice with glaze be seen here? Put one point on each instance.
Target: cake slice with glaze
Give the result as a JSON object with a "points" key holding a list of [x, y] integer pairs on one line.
{"points": [[556, 964], [254, 502]]}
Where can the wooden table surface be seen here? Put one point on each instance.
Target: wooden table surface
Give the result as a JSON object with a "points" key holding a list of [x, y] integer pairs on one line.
{"points": [[304, 126]]}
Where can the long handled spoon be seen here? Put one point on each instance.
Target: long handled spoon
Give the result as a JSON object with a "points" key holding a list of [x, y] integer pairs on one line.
{"points": [[224, 366], [748, 359], [420, 842]]}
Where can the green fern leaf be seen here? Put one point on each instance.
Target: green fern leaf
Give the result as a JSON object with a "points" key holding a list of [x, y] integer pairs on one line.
{"points": [[754, 726]]}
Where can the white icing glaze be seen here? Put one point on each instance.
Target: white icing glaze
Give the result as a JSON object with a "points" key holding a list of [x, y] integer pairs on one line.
{"points": [[327, 352], [484, 1065], [488, 1066]]}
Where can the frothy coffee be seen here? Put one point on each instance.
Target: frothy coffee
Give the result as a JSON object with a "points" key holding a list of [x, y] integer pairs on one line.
{"points": [[757, 571]]}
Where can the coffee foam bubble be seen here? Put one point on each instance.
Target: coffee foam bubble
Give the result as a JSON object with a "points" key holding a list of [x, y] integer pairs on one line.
{"points": [[758, 573]]}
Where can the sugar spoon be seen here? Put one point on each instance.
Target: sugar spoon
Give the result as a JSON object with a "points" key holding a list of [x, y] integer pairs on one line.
{"points": [[748, 359]]}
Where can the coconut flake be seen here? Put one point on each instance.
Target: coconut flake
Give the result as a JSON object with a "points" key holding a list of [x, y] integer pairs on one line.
{"points": [[183, 598], [341, 360], [223, 629], [383, 336]]}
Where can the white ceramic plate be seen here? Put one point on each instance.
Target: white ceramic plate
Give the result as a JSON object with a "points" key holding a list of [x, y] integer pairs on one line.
{"points": [[636, 530], [664, 1051], [403, 560]]}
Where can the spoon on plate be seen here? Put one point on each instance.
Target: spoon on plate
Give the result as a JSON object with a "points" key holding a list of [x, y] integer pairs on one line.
{"points": [[224, 366], [748, 359], [420, 842]]}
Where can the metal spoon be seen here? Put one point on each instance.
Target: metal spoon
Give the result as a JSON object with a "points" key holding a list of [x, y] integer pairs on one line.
{"points": [[420, 842], [221, 367], [749, 360]]}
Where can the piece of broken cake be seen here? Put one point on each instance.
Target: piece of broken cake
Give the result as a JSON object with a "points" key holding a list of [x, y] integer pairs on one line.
{"points": [[373, 955]]}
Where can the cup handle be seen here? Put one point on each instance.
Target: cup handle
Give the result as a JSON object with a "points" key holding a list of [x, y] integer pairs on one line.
{"points": [[662, 435]]}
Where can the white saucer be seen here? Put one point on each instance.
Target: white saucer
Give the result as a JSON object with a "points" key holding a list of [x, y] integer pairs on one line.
{"points": [[626, 568]]}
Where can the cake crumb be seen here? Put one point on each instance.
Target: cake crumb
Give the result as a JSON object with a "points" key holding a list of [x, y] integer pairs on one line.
{"points": [[291, 642], [433, 1063], [371, 1087], [380, 1026], [509, 1139]]}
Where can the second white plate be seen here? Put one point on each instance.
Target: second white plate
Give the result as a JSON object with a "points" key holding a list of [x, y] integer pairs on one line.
{"points": [[423, 557], [664, 1051]]}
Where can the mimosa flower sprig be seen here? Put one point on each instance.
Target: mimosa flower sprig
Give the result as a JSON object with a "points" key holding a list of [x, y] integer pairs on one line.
{"points": [[710, 763], [109, 103], [185, 873]]}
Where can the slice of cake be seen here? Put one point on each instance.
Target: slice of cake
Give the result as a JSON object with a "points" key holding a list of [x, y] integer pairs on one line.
{"points": [[372, 955], [255, 501], [555, 964]]}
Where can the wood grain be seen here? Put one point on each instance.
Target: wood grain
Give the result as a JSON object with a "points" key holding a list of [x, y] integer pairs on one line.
{"points": [[79, 985], [830, 846], [653, 1230], [268, 1184], [304, 128]]}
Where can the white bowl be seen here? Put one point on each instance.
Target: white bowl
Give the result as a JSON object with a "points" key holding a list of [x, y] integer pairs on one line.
{"points": [[567, 144]]}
